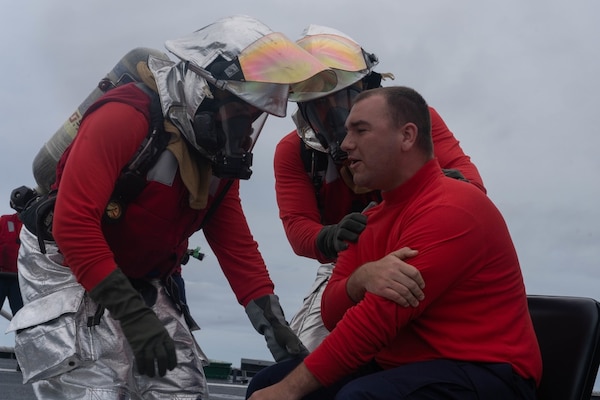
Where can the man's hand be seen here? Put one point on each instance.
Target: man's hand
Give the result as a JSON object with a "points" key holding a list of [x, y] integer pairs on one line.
{"points": [[294, 386], [389, 277], [274, 392], [333, 238]]}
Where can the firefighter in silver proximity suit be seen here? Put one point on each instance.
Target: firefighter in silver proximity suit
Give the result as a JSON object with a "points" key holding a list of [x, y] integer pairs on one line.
{"points": [[93, 325]]}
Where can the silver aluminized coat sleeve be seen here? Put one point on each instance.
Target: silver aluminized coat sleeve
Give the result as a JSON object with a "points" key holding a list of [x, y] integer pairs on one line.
{"points": [[307, 322]]}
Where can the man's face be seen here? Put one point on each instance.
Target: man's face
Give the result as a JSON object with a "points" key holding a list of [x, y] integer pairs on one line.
{"points": [[373, 145]]}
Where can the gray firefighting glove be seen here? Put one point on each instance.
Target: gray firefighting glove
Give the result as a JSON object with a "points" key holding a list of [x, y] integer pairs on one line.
{"points": [[148, 338], [267, 317], [333, 238]]}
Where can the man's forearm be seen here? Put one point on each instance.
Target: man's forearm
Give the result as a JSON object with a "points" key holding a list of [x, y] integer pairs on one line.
{"points": [[300, 382], [390, 277]]}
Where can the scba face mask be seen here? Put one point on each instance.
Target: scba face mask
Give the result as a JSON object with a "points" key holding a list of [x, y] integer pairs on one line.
{"points": [[327, 116], [226, 128]]}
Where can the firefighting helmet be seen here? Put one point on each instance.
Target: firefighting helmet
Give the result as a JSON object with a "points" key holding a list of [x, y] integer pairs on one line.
{"points": [[231, 74], [321, 115]]}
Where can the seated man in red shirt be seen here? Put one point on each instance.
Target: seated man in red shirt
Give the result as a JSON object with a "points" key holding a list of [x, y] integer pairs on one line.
{"points": [[471, 337]]}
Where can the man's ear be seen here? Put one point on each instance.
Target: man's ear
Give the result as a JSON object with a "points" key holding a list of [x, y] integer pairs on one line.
{"points": [[409, 132]]}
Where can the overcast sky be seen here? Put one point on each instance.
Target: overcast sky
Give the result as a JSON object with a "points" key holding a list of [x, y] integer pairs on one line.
{"points": [[516, 81]]}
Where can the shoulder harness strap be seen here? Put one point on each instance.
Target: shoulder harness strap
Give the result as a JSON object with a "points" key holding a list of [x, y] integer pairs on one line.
{"points": [[133, 176], [315, 165]]}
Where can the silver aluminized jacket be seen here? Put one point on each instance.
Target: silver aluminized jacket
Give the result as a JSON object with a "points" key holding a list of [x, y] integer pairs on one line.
{"points": [[58, 339], [307, 322]]}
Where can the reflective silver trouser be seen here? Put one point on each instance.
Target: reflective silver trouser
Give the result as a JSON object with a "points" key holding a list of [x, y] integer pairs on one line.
{"points": [[68, 350], [307, 323]]}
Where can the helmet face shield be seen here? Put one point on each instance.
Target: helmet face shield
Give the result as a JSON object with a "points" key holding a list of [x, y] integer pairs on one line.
{"points": [[243, 56], [276, 59], [335, 51], [266, 71], [327, 116]]}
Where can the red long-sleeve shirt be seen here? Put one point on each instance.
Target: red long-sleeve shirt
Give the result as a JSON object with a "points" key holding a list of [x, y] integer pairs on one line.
{"points": [[10, 227], [298, 208], [152, 236], [475, 306]]}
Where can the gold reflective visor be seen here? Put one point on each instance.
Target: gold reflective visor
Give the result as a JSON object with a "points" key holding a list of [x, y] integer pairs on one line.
{"points": [[276, 59], [335, 51]]}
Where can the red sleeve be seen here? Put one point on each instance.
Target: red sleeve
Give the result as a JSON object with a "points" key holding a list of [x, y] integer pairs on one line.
{"points": [[335, 300], [229, 237], [10, 227], [449, 153], [2, 245], [106, 141], [296, 199], [365, 330]]}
